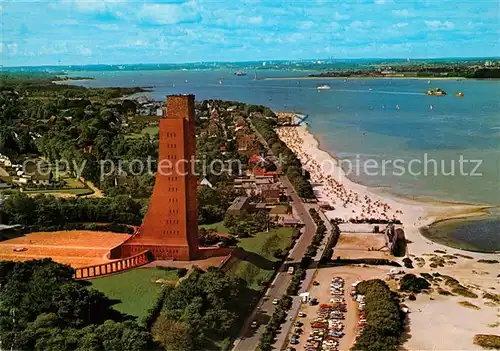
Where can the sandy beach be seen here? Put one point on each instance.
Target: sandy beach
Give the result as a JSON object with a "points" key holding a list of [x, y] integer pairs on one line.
{"points": [[353, 200]]}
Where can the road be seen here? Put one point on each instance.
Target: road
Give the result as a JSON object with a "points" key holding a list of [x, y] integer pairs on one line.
{"points": [[249, 338]]}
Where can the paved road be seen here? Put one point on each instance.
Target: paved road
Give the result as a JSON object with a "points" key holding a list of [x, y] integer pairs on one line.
{"points": [[249, 338]]}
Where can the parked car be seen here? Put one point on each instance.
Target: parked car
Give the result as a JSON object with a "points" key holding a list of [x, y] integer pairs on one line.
{"points": [[275, 301], [313, 302], [315, 283], [302, 314], [254, 325]]}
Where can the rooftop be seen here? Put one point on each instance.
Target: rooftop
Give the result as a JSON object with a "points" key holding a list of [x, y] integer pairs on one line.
{"points": [[238, 203]]}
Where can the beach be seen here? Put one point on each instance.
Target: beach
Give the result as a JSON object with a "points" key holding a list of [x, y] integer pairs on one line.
{"points": [[356, 201], [351, 200]]}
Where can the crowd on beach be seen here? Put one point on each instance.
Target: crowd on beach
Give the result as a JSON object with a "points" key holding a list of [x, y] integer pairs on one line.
{"points": [[348, 203]]}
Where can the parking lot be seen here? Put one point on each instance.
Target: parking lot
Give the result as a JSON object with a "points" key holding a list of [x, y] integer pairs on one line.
{"points": [[327, 315]]}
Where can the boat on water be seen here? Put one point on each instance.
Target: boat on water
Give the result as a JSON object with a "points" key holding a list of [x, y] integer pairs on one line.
{"points": [[397, 107], [240, 73], [323, 87], [220, 81], [459, 94], [436, 92]]}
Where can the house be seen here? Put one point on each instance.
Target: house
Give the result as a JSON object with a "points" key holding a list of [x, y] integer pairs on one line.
{"points": [[247, 144], [239, 206], [23, 180], [205, 182], [5, 161], [271, 193], [41, 179], [262, 173]]}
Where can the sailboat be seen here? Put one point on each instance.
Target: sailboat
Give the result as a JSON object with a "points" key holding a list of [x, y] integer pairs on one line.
{"points": [[255, 76], [220, 81], [397, 107], [431, 107]]}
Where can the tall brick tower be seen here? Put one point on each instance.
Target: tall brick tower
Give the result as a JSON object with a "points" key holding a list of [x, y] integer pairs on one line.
{"points": [[170, 228]]}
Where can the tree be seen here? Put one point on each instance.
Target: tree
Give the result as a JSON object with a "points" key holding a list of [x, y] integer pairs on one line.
{"points": [[172, 334], [41, 301]]}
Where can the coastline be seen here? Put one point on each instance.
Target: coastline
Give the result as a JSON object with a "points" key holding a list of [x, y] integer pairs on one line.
{"points": [[414, 214], [371, 77]]}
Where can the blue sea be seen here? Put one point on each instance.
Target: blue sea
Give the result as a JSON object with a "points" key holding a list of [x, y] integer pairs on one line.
{"points": [[359, 119]]}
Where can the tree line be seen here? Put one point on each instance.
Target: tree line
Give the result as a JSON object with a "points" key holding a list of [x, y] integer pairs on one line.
{"points": [[384, 320], [291, 166]]}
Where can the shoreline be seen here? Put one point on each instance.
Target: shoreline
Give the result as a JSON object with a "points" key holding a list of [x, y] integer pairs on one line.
{"points": [[385, 77], [414, 214]]}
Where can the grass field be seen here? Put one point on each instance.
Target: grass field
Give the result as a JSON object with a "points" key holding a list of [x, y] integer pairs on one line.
{"points": [[71, 182], [218, 227], [260, 267], [136, 289], [80, 191], [151, 130]]}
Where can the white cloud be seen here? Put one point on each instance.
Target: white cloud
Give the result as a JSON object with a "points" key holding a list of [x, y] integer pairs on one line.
{"points": [[255, 20], [68, 22], [107, 26], [12, 49], [383, 2], [85, 51], [359, 25], [170, 13], [403, 13], [438, 25], [339, 17], [306, 25], [401, 25], [91, 6]]}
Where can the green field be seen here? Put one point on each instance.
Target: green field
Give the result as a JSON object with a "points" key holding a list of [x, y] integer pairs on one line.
{"points": [[259, 267], [135, 289], [151, 130], [80, 191], [218, 227], [71, 182]]}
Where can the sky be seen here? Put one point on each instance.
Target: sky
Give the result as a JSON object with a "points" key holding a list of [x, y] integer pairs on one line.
{"points": [[70, 32]]}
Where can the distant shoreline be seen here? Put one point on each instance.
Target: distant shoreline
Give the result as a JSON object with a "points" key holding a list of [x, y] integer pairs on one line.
{"points": [[371, 77]]}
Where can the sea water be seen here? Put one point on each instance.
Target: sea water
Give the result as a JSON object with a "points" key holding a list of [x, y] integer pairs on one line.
{"points": [[381, 120]]}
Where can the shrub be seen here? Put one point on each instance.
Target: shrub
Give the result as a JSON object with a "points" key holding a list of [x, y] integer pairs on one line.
{"points": [[488, 341], [408, 262], [412, 283], [384, 326]]}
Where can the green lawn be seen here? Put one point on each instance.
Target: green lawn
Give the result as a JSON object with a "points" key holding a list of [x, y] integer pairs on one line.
{"points": [[259, 267], [81, 191], [218, 227], [71, 182], [136, 289], [151, 130]]}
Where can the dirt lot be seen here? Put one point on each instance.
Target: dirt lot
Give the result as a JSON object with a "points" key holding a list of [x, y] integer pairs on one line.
{"points": [[361, 245], [76, 248], [350, 274]]}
